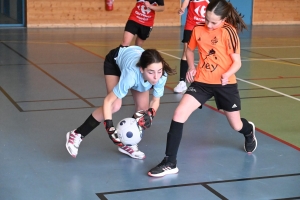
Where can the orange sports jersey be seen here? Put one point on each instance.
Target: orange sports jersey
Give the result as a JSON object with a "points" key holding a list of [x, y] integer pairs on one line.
{"points": [[215, 47]]}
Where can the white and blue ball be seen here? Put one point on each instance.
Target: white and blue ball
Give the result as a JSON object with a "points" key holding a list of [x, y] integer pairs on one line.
{"points": [[129, 132]]}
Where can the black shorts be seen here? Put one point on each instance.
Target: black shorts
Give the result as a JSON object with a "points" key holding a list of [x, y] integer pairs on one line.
{"points": [[140, 30], [110, 65], [226, 97], [186, 36]]}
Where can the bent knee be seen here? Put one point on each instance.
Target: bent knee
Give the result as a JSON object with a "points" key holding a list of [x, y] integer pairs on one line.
{"points": [[180, 116], [116, 107]]}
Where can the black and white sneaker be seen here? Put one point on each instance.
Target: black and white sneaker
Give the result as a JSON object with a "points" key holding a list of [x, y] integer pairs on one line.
{"points": [[251, 146], [164, 168]]}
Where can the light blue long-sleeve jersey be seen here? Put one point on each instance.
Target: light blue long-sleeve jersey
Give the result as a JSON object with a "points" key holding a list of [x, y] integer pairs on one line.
{"points": [[131, 76]]}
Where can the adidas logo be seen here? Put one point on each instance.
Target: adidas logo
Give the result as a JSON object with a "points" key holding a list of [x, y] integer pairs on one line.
{"points": [[234, 106]]}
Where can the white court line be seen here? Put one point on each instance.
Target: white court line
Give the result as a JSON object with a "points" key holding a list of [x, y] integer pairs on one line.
{"points": [[281, 59], [269, 89], [277, 47], [257, 85]]}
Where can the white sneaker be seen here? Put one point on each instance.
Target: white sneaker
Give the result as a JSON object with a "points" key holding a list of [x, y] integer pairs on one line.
{"points": [[73, 142], [181, 87], [132, 151]]}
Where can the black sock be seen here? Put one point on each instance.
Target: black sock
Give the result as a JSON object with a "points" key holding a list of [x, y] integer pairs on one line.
{"points": [[173, 140], [90, 124], [247, 130], [183, 69]]}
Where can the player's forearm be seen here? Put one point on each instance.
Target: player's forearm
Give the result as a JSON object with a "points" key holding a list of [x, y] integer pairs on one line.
{"points": [[235, 66], [108, 104], [184, 5], [157, 8], [154, 103], [107, 107]]}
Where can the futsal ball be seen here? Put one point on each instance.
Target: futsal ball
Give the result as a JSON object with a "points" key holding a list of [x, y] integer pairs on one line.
{"points": [[129, 132]]}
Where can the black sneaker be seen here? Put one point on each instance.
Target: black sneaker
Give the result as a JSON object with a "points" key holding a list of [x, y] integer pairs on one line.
{"points": [[251, 146], [164, 168]]}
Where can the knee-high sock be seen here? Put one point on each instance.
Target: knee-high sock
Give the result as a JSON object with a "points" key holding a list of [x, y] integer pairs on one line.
{"points": [[173, 140], [183, 69], [90, 124]]}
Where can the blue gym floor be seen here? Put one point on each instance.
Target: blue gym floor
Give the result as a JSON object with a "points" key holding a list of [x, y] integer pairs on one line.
{"points": [[51, 80]]}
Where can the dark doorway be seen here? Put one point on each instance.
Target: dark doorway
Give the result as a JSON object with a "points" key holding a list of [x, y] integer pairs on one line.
{"points": [[12, 13]]}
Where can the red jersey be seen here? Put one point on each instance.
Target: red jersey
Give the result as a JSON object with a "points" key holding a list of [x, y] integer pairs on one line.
{"points": [[215, 47], [143, 15], [196, 13]]}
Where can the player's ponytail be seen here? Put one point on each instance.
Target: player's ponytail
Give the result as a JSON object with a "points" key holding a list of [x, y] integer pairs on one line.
{"points": [[224, 9]]}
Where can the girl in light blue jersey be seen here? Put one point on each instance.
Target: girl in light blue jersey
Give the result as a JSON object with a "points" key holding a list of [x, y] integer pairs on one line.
{"points": [[126, 68]]}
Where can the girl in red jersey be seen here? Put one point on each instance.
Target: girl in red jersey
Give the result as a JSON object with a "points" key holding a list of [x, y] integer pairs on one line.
{"points": [[141, 20], [195, 16], [219, 50]]}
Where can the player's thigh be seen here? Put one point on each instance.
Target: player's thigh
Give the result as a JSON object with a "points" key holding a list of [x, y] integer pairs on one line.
{"points": [[139, 41], [186, 107], [234, 119], [141, 99], [131, 29], [144, 32], [127, 38], [112, 71], [111, 81]]}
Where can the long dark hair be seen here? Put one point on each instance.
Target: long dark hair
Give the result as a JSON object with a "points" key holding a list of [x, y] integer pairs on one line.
{"points": [[224, 9], [150, 56]]}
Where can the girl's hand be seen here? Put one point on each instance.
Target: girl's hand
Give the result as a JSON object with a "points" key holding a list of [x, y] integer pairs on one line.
{"points": [[224, 79], [180, 11], [147, 4], [190, 75]]}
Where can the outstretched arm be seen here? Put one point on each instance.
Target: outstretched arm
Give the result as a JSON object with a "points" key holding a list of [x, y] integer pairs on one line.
{"points": [[107, 105], [154, 103], [108, 123]]}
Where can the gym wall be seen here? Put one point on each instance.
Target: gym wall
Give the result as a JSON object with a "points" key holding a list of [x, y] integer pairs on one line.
{"points": [[91, 13], [276, 12]]}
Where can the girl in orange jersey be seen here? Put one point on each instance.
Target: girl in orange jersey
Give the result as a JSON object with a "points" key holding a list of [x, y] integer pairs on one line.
{"points": [[219, 49], [195, 16]]}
